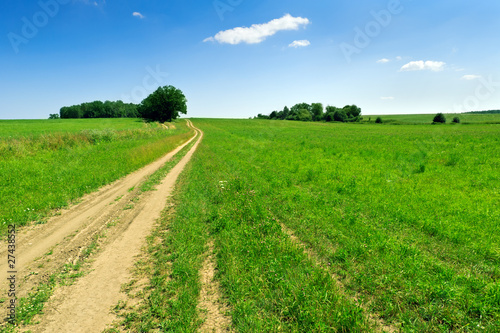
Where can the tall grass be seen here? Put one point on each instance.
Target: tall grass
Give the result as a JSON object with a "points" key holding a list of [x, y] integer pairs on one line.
{"points": [[36, 127], [43, 172]]}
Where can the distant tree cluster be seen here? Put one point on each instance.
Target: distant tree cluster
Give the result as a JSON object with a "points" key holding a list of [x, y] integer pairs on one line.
{"points": [[315, 112], [485, 112], [98, 109]]}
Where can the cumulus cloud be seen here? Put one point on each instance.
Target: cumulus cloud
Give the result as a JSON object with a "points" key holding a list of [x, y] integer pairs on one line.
{"points": [[383, 61], [137, 14], [388, 98], [257, 33], [421, 65], [300, 43], [471, 77]]}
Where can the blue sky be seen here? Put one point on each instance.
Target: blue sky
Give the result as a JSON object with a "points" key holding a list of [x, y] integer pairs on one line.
{"points": [[238, 58]]}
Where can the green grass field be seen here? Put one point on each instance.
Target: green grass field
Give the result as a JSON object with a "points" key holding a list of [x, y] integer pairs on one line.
{"points": [[46, 164], [33, 128], [402, 221], [465, 118]]}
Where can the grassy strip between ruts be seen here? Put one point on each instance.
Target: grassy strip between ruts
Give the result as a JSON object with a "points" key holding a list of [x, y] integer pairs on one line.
{"points": [[34, 182], [33, 304], [159, 174]]}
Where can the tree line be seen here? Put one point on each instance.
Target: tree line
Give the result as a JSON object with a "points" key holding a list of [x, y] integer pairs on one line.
{"points": [[485, 112], [315, 112], [164, 104], [99, 109]]}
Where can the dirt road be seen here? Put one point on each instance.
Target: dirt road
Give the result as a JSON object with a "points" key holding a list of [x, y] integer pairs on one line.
{"points": [[124, 217]]}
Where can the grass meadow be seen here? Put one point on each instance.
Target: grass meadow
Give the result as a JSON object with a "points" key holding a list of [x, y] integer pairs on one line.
{"points": [[400, 224], [316, 227], [465, 118], [46, 164]]}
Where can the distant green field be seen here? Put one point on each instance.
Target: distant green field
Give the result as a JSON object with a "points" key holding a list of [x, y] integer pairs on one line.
{"points": [[404, 222], [14, 128], [467, 118]]}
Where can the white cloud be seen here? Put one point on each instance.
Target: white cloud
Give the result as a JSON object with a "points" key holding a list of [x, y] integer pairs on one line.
{"points": [[388, 98], [258, 32], [94, 3], [421, 65], [471, 77], [137, 14], [300, 43], [383, 61], [398, 58]]}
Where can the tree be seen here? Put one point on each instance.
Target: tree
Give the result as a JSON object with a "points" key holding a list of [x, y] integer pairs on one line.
{"points": [[378, 120], [353, 113], [329, 116], [317, 111], [300, 106], [165, 104], [74, 111], [304, 115], [329, 111], [285, 113], [439, 118], [340, 115], [53, 116], [456, 120]]}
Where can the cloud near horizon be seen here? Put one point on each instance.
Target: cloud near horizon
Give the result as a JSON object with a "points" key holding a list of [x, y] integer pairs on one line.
{"points": [[257, 33], [299, 43], [435, 66], [388, 98]]}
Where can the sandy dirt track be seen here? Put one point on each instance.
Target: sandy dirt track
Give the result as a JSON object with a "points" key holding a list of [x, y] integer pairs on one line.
{"points": [[124, 217]]}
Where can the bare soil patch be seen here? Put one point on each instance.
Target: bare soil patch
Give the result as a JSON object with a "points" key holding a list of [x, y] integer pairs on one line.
{"points": [[214, 311]]}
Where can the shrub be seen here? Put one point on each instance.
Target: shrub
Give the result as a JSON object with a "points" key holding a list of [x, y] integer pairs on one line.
{"points": [[340, 115], [456, 120], [378, 120], [439, 118]]}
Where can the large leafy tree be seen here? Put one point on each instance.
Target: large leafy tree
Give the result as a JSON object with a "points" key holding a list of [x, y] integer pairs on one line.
{"points": [[165, 104]]}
